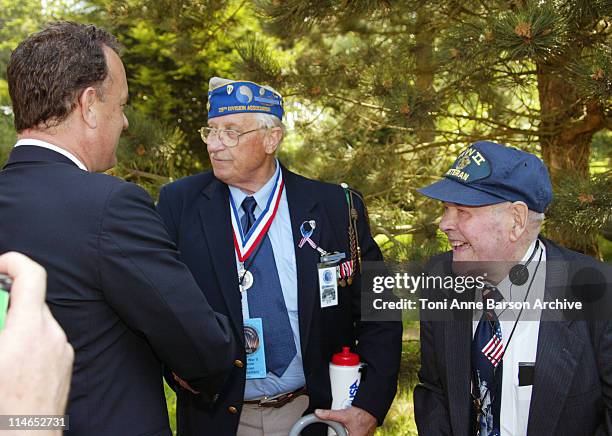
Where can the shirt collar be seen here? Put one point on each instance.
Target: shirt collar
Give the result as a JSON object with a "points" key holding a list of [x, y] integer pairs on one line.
{"points": [[44, 144], [505, 285], [261, 197]]}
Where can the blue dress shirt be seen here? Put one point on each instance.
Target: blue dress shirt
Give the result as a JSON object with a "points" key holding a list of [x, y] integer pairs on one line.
{"points": [[281, 238]]}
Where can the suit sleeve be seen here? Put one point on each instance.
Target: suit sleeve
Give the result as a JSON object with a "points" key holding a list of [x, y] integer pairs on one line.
{"points": [[167, 214], [156, 295], [165, 210], [430, 400], [601, 336], [379, 343]]}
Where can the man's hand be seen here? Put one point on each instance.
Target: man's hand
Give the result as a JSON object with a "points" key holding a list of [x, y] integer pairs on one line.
{"points": [[184, 384], [36, 359], [357, 421]]}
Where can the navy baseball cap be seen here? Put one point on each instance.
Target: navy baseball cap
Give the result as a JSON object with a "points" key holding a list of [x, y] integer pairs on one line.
{"points": [[489, 173]]}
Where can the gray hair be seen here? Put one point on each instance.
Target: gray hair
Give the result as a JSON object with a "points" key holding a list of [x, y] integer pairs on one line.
{"points": [[535, 220], [269, 121]]}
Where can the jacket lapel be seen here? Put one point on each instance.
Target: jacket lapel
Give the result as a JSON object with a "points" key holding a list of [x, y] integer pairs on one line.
{"points": [[214, 213], [559, 350], [458, 337], [303, 207], [457, 353]]}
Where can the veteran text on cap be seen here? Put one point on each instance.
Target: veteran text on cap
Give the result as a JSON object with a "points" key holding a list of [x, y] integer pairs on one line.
{"points": [[489, 173]]}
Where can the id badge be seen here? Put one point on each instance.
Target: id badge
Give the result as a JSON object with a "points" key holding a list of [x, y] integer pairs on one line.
{"points": [[254, 347], [328, 284]]}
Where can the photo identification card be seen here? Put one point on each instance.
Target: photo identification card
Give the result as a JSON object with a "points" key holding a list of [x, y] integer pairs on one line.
{"points": [[255, 350], [328, 285]]}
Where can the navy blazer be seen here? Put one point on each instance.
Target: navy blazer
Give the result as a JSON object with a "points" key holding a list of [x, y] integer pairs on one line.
{"points": [[117, 288], [196, 212], [572, 387]]}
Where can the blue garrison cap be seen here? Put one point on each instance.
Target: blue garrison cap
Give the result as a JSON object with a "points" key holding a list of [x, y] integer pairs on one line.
{"points": [[489, 173], [227, 97]]}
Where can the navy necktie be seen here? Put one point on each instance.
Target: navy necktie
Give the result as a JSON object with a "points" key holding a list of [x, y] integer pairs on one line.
{"points": [[487, 353], [266, 300]]}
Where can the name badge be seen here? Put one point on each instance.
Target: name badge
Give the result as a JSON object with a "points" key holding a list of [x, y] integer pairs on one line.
{"points": [[328, 284], [254, 347]]}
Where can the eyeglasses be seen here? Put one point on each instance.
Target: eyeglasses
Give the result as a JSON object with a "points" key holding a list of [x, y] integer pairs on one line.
{"points": [[228, 137]]}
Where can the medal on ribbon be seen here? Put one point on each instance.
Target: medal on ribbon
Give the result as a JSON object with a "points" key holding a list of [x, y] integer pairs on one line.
{"points": [[345, 272], [245, 278], [246, 244]]}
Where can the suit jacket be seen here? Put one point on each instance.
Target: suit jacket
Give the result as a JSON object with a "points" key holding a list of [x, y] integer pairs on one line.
{"points": [[117, 288], [572, 387], [196, 211]]}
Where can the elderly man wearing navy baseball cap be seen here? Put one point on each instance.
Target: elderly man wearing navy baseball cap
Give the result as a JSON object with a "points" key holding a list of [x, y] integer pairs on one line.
{"points": [[488, 376], [256, 236]]}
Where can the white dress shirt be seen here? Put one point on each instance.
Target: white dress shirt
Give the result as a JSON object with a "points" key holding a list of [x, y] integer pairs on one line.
{"points": [[515, 399], [44, 144]]}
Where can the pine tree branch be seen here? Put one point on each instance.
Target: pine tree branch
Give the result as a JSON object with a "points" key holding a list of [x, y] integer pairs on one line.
{"points": [[504, 126], [415, 148], [592, 121], [515, 73], [381, 230], [387, 126], [374, 195], [137, 173], [358, 103], [459, 137], [222, 24]]}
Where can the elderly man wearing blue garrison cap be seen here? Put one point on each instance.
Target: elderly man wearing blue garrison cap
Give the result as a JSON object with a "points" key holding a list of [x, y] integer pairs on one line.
{"points": [[256, 236], [488, 376]]}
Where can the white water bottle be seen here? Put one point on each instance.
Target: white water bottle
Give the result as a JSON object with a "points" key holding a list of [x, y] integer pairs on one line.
{"points": [[344, 376]]}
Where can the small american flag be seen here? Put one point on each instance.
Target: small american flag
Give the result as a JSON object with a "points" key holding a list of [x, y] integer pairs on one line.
{"points": [[346, 269], [494, 349]]}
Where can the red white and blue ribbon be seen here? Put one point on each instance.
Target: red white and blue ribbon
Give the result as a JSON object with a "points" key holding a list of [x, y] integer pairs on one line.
{"points": [[245, 245], [306, 229], [307, 240]]}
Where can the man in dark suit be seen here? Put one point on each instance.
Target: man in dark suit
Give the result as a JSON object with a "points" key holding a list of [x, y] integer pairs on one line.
{"points": [[115, 283], [260, 231], [496, 371]]}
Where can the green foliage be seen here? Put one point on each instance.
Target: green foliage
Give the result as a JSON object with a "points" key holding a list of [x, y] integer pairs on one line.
{"points": [[172, 50], [536, 32], [581, 208], [149, 153], [171, 403], [400, 419], [7, 136], [388, 93], [17, 20], [593, 73]]}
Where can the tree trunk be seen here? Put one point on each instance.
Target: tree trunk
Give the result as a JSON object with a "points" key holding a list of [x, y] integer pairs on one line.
{"points": [[567, 126]]}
